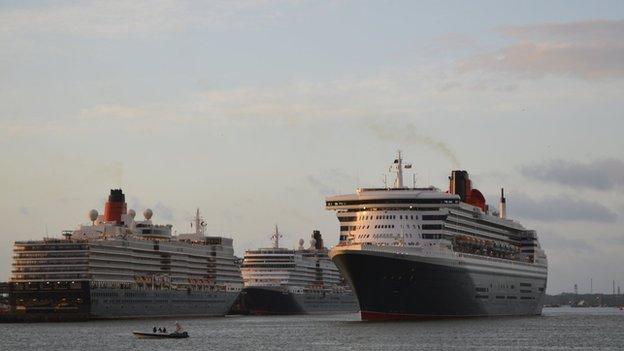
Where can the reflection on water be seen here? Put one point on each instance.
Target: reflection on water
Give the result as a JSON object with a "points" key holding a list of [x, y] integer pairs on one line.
{"points": [[557, 329]]}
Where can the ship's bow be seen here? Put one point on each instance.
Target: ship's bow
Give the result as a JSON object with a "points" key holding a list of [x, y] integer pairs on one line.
{"points": [[391, 286]]}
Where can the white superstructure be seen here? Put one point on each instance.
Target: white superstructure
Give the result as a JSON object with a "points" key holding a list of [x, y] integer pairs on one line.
{"points": [[290, 269], [135, 253], [428, 218]]}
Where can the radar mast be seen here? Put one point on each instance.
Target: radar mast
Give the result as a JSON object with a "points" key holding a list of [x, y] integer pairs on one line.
{"points": [[200, 224], [276, 236], [397, 167]]}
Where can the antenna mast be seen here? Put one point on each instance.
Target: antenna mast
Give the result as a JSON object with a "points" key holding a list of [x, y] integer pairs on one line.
{"points": [[398, 183], [397, 166], [276, 236], [200, 225]]}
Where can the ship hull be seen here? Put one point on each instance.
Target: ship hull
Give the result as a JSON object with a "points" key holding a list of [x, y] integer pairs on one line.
{"points": [[268, 301], [117, 303], [47, 304], [391, 287]]}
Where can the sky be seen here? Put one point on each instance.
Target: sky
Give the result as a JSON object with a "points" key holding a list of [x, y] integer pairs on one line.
{"points": [[255, 111]]}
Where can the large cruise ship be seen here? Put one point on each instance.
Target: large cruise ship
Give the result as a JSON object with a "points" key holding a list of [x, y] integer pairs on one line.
{"points": [[287, 281], [423, 253], [120, 267]]}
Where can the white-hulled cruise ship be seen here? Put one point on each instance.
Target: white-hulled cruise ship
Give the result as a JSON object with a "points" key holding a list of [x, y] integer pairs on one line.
{"points": [[423, 252], [285, 281], [119, 267]]}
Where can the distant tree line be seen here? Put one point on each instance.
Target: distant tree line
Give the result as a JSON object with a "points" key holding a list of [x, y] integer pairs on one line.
{"points": [[584, 300]]}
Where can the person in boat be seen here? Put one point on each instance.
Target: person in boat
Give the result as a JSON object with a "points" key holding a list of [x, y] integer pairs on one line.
{"points": [[164, 329], [154, 330], [160, 330], [178, 327]]}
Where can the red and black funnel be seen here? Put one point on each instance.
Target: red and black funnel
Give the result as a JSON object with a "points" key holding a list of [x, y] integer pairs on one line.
{"points": [[115, 206]]}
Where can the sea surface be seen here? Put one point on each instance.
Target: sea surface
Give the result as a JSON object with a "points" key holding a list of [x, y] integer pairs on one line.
{"points": [[557, 329]]}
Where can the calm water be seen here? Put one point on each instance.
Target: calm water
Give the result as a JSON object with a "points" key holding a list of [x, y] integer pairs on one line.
{"points": [[557, 329]]}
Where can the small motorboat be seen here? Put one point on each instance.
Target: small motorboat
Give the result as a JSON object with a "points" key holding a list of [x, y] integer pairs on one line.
{"points": [[174, 335]]}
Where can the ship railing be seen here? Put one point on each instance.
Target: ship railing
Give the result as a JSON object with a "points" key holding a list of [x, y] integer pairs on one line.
{"points": [[507, 255], [501, 260], [383, 248]]}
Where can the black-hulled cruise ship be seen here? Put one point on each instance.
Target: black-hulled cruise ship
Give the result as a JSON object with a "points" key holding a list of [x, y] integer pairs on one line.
{"points": [[120, 267], [278, 280], [426, 253]]}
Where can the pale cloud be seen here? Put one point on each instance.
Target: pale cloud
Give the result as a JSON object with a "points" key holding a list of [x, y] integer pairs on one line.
{"points": [[416, 94], [340, 98], [616, 239], [604, 174], [589, 50], [118, 112], [558, 242], [386, 93], [117, 18], [14, 129], [586, 32], [560, 208]]}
